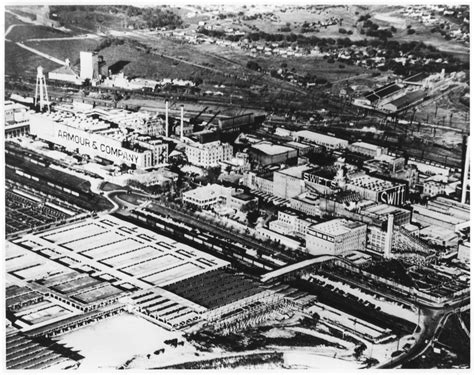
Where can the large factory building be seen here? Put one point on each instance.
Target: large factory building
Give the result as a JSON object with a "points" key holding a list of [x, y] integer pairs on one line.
{"points": [[96, 138]]}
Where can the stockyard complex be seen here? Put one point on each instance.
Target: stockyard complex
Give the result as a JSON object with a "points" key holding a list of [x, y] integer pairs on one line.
{"points": [[258, 187]]}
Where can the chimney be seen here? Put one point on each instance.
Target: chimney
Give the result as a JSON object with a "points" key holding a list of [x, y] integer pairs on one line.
{"points": [[465, 172], [166, 118], [388, 238], [182, 123]]}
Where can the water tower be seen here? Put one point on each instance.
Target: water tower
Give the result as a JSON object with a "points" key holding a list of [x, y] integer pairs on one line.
{"points": [[41, 90]]}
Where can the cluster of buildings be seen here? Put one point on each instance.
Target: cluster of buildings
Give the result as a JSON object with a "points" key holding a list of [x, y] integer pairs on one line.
{"points": [[397, 96], [435, 16], [93, 68]]}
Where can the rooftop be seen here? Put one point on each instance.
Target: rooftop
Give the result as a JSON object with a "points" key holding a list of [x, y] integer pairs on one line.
{"points": [[271, 149], [417, 77], [294, 171], [408, 99], [297, 145], [369, 182], [365, 145], [337, 227], [383, 209], [382, 92], [313, 136]]}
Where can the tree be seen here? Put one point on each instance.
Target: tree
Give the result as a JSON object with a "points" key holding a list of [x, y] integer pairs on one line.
{"points": [[252, 217]]}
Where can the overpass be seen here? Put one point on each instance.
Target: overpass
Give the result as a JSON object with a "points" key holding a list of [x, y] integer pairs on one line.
{"points": [[295, 267]]}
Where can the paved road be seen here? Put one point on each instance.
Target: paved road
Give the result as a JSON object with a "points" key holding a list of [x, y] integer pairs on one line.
{"points": [[432, 322]]}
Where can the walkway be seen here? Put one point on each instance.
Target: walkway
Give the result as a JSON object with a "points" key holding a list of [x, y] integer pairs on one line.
{"points": [[42, 54]]}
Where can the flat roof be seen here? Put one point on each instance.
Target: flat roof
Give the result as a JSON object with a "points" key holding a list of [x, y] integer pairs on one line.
{"points": [[296, 171], [337, 227], [370, 146], [244, 197], [297, 145], [383, 209], [271, 149], [308, 134], [369, 182]]}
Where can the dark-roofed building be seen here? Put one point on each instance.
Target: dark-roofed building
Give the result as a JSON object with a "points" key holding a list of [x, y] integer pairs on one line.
{"points": [[418, 79], [266, 153], [405, 101], [383, 93]]}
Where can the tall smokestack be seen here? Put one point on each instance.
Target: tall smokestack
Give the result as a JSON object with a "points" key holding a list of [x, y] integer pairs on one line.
{"points": [[465, 170], [182, 122], [389, 238], [166, 118]]}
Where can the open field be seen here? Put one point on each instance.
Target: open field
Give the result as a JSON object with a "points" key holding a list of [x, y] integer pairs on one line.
{"points": [[10, 19], [23, 32], [67, 49], [19, 61]]}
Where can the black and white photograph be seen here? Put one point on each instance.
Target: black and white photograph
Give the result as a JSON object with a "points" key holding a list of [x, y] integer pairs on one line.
{"points": [[236, 185]]}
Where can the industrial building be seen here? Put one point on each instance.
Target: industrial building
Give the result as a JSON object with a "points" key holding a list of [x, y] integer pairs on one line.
{"points": [[381, 211], [380, 96], [208, 154], [378, 190], [408, 100], [17, 119], [95, 138], [290, 223], [288, 183], [367, 149], [335, 237], [266, 153], [321, 179], [66, 73], [91, 64], [444, 213], [206, 197], [302, 148], [331, 143], [307, 203]]}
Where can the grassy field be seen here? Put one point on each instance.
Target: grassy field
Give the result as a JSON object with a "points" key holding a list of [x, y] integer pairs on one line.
{"points": [[65, 49], [19, 61], [24, 32], [10, 19]]}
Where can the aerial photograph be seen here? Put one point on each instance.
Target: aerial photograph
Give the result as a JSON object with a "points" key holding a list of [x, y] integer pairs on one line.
{"points": [[236, 185]]}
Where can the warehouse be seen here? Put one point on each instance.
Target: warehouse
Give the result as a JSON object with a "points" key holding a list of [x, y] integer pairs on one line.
{"points": [[266, 153], [331, 143], [95, 138], [405, 101]]}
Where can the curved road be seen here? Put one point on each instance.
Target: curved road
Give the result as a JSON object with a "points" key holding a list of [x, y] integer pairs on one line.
{"points": [[432, 323]]}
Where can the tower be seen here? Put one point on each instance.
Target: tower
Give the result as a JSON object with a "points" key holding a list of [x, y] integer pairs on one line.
{"points": [[166, 119], [388, 238], [41, 89], [182, 124], [89, 65]]}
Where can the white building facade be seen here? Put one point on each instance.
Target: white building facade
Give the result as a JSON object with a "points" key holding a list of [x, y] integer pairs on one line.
{"points": [[208, 154]]}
